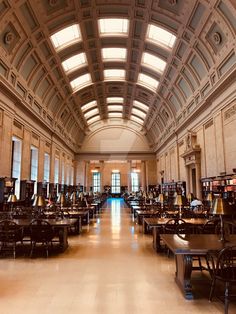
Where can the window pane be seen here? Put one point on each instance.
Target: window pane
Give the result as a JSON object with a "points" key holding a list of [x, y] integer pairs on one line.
{"points": [[115, 183], [96, 182], [16, 163], [134, 181], [46, 175]]}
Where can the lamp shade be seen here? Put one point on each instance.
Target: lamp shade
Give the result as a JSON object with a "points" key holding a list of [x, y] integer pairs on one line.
{"points": [[209, 197], [39, 201], [12, 198], [178, 200], [161, 198], [220, 206], [73, 197], [61, 199], [190, 197]]}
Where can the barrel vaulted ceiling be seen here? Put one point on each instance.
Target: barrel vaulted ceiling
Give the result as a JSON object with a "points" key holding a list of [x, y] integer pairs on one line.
{"points": [[79, 65]]}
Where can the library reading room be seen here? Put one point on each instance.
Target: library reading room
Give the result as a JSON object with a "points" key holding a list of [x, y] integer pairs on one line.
{"points": [[118, 156]]}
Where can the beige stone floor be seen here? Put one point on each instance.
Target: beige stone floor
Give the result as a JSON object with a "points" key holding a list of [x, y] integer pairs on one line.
{"points": [[111, 268]]}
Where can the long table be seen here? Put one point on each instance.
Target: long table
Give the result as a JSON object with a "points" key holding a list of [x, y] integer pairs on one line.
{"points": [[61, 225], [185, 249]]}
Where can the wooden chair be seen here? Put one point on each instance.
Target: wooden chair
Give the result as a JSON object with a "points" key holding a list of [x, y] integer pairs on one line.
{"points": [[224, 270], [10, 235], [41, 232]]}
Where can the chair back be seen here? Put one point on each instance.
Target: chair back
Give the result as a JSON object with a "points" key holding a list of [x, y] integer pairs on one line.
{"points": [[41, 231], [226, 264]]}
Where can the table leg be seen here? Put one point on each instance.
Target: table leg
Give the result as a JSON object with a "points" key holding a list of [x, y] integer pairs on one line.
{"points": [[183, 274]]}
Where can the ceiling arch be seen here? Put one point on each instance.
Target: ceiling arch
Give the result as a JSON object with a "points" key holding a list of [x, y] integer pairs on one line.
{"points": [[182, 49]]}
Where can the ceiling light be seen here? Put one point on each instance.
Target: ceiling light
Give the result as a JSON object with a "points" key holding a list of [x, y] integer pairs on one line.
{"points": [[115, 100], [114, 74], [74, 62], [93, 119], [115, 115], [81, 82], [136, 119], [153, 62], [147, 81], [66, 37], [114, 54], [91, 113], [115, 107], [140, 105], [160, 36], [89, 105], [139, 113], [113, 27]]}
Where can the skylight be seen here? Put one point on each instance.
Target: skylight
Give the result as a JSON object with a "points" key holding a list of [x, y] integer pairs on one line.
{"points": [[139, 113], [140, 105], [115, 115], [115, 100], [74, 62], [91, 113], [114, 54], [93, 119], [66, 37], [89, 105], [136, 119], [115, 108], [81, 82], [160, 36], [153, 62], [114, 74], [147, 81], [113, 27]]}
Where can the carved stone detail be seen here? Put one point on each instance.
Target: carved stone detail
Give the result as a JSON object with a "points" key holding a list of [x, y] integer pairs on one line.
{"points": [[217, 38], [9, 38]]}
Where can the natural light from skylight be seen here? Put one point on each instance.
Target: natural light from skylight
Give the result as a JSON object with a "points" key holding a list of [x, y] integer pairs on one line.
{"points": [[91, 113], [66, 37], [115, 108], [115, 100], [114, 114], [89, 105], [147, 81], [153, 62], [81, 82], [136, 119], [93, 119], [160, 36], [114, 74], [139, 113], [140, 105], [75, 62], [113, 54], [113, 27]]}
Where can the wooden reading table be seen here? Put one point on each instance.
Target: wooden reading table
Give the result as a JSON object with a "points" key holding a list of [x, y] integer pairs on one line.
{"points": [[185, 249]]}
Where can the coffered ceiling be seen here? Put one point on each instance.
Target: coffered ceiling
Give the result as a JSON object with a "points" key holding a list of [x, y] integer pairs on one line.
{"points": [[80, 64]]}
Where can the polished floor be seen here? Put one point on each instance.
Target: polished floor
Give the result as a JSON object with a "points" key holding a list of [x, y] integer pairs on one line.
{"points": [[110, 269]]}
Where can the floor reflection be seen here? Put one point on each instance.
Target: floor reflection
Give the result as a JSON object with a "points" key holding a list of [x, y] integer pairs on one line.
{"points": [[115, 217]]}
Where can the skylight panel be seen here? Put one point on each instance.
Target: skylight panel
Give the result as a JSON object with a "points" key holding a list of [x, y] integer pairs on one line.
{"points": [[89, 105], [114, 74], [115, 100], [153, 62], [74, 62], [91, 113], [113, 27], [93, 119], [115, 108], [140, 105], [160, 36], [81, 82], [114, 54], [139, 113], [136, 119], [147, 81], [115, 115], [66, 37]]}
